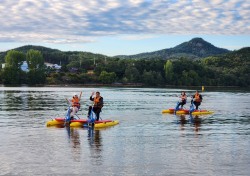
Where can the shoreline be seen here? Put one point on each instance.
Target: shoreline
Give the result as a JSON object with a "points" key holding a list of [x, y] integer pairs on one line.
{"points": [[199, 88]]}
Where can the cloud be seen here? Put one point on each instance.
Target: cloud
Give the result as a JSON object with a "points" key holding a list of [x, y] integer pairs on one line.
{"points": [[78, 21], [137, 37]]}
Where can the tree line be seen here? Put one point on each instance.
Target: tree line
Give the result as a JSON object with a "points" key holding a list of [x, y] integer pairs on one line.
{"points": [[12, 74], [231, 69]]}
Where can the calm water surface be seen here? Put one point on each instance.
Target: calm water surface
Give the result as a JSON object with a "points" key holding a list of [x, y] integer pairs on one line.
{"points": [[146, 142]]}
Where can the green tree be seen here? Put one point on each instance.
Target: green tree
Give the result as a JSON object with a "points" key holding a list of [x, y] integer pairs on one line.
{"points": [[169, 71], [36, 74], [34, 59], [132, 74], [107, 78], [12, 73], [147, 77]]}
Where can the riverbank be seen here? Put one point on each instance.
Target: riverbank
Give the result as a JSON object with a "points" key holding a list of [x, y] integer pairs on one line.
{"points": [[199, 88]]}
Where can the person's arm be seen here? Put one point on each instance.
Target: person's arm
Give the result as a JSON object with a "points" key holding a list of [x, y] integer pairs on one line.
{"points": [[91, 96], [80, 96], [69, 101]]}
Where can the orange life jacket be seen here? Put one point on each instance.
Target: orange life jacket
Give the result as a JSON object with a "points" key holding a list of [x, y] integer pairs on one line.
{"points": [[96, 100], [197, 97], [75, 102]]}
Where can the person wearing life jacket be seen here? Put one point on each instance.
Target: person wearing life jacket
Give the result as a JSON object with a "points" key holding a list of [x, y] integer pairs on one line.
{"points": [[197, 99], [75, 104], [97, 106], [183, 100]]}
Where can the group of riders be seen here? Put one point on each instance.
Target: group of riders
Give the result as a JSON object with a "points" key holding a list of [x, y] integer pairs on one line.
{"points": [[96, 108], [196, 100], [98, 103]]}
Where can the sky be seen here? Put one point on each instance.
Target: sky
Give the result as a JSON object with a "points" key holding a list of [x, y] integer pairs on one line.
{"points": [[123, 27]]}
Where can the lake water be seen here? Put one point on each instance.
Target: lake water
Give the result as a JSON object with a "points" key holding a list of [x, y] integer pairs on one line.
{"points": [[146, 142]]}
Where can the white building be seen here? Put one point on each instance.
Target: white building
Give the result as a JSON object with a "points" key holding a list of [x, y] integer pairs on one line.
{"points": [[24, 66], [55, 66]]}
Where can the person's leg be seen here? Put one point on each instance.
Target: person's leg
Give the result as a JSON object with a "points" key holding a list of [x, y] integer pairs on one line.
{"points": [[196, 105], [74, 110], [98, 114], [177, 107], [71, 112], [90, 108], [182, 104]]}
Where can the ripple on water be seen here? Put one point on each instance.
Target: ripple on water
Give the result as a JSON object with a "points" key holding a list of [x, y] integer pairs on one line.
{"points": [[145, 142]]}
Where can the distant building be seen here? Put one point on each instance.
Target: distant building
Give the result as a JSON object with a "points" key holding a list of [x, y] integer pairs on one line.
{"points": [[58, 67], [73, 70], [24, 66], [55, 66]]}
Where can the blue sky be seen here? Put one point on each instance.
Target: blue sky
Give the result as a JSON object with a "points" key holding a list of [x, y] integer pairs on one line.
{"points": [[123, 27]]}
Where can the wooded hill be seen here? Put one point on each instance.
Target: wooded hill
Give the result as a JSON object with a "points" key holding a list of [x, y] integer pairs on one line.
{"points": [[194, 49], [191, 63], [234, 66]]}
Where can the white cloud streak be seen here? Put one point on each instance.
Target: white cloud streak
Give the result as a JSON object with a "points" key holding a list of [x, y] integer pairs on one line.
{"points": [[80, 21]]}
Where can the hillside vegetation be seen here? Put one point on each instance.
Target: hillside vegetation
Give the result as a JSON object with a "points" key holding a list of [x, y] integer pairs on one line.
{"points": [[192, 63]]}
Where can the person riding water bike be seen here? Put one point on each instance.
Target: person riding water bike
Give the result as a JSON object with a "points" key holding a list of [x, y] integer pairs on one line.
{"points": [[75, 104], [183, 100], [98, 104], [196, 99]]}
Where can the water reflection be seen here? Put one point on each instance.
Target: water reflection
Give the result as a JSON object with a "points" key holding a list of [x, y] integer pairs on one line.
{"points": [[94, 137], [95, 145], [181, 119], [143, 144], [194, 121], [18, 100], [74, 139]]}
